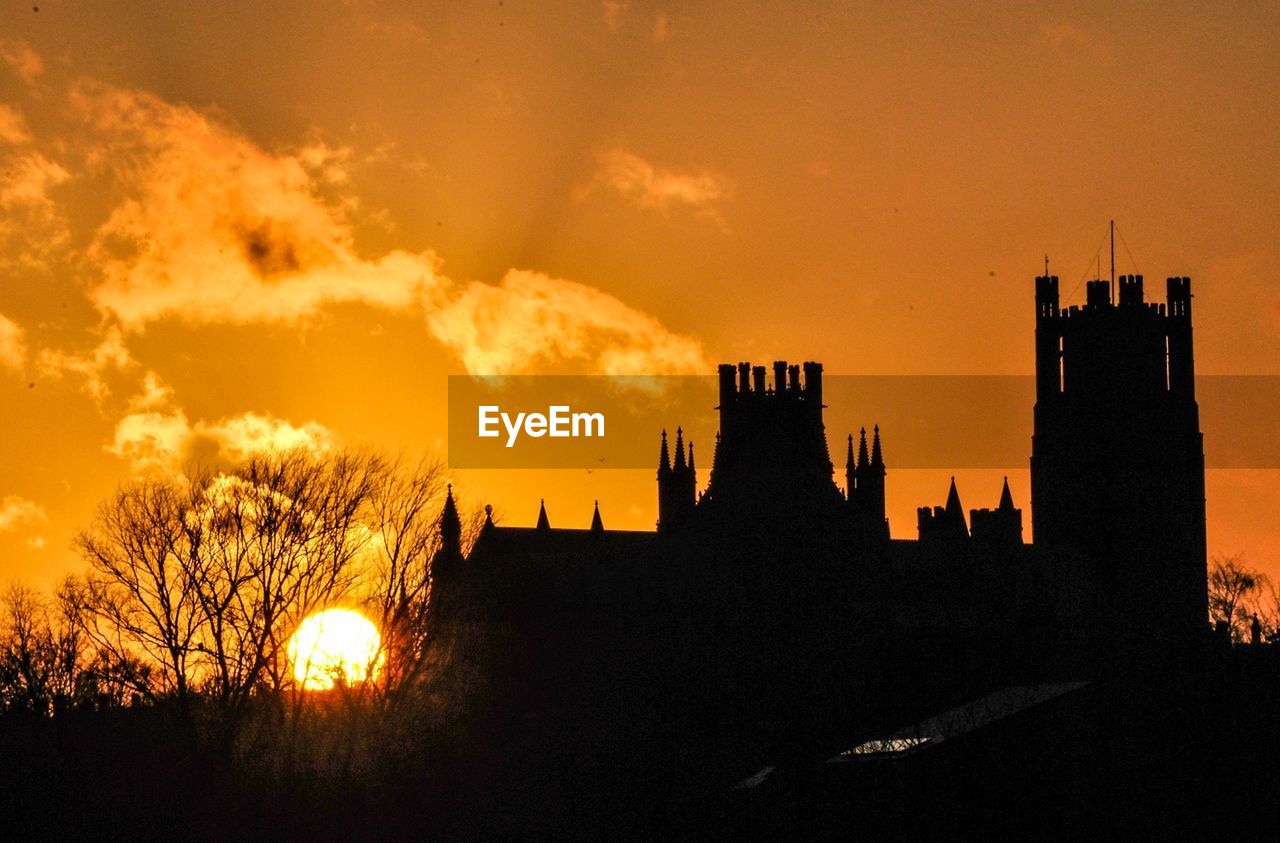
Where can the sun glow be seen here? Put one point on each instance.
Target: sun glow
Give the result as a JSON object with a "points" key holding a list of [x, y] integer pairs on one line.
{"points": [[335, 645]]}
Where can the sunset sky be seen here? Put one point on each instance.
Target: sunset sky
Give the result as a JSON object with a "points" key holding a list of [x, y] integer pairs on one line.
{"points": [[228, 226]]}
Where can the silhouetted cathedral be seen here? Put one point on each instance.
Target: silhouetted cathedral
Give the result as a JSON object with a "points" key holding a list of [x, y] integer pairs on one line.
{"points": [[775, 576]]}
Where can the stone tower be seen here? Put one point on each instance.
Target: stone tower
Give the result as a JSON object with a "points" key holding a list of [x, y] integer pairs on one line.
{"points": [[1117, 465]]}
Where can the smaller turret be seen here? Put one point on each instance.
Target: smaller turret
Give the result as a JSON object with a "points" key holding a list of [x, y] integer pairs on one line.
{"points": [[677, 483], [999, 526], [943, 523], [450, 525]]}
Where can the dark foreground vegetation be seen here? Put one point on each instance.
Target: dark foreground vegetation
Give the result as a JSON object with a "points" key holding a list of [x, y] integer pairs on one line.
{"points": [[1152, 755], [153, 698]]}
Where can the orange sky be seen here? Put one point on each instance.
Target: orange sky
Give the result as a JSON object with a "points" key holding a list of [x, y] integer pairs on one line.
{"points": [[224, 226]]}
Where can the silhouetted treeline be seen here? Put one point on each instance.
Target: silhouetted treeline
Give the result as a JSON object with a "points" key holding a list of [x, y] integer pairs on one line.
{"points": [[194, 585]]}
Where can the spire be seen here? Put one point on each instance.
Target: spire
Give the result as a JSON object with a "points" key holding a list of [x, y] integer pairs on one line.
{"points": [[691, 455], [849, 464], [544, 523], [877, 458], [863, 462], [679, 464], [1006, 498], [488, 515], [953, 500], [664, 456], [597, 525], [450, 523]]}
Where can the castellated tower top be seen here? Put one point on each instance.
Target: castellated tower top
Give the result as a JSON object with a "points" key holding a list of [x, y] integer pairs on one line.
{"points": [[747, 383]]}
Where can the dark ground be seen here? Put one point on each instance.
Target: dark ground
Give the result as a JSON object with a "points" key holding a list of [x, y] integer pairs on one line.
{"points": [[1196, 755]]}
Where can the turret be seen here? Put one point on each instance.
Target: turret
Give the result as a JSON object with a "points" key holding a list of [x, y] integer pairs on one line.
{"points": [[943, 523], [450, 525], [1048, 338], [865, 475], [677, 483], [813, 382], [999, 526], [727, 390], [771, 452], [850, 473], [446, 564], [1097, 294], [1182, 367], [872, 480], [1130, 290]]}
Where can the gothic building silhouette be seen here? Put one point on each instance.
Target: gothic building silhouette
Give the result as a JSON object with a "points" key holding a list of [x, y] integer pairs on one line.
{"points": [[777, 563]]}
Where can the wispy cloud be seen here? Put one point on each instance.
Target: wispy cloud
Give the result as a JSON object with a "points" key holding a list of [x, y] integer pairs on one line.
{"points": [[18, 512], [31, 227], [652, 186], [612, 12], [13, 349], [217, 230], [162, 440], [155, 434], [531, 319], [13, 126], [23, 60], [93, 366]]}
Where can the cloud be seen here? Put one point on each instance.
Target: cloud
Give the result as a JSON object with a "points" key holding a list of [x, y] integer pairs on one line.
{"points": [[163, 440], [651, 186], [241, 436], [13, 350], [155, 434], [13, 126], [204, 226], [612, 12], [530, 319], [217, 230], [152, 441], [18, 512], [31, 227], [24, 61], [109, 356]]}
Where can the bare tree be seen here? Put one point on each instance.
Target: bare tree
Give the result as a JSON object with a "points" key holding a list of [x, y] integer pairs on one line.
{"points": [[26, 652], [1233, 589], [140, 599], [44, 663], [404, 513]]}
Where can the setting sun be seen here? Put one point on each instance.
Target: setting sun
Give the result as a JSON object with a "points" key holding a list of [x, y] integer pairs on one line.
{"points": [[333, 644]]}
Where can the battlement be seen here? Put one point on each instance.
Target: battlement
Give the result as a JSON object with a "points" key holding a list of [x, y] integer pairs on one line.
{"points": [[1178, 294], [1108, 347], [1046, 296], [747, 383], [1097, 294]]}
